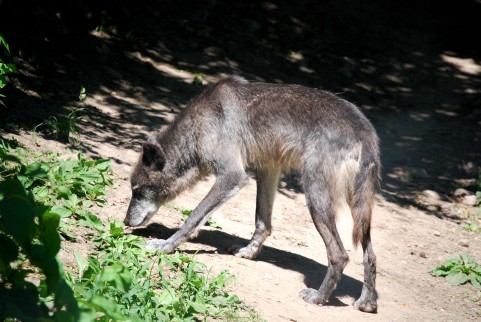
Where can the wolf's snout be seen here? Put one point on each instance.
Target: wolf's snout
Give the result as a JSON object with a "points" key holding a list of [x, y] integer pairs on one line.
{"points": [[140, 211]]}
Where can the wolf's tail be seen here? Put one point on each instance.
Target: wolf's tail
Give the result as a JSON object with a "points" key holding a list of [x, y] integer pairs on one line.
{"points": [[366, 184]]}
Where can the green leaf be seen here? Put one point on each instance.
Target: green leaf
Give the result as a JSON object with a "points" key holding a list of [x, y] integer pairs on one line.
{"points": [[9, 252], [166, 297], [87, 312], [198, 307], [456, 278], [41, 193], [4, 43], [63, 316], [64, 297], [82, 263], [89, 176], [90, 220], [61, 211], [109, 307], [63, 192], [50, 236], [7, 68], [102, 165], [116, 228], [17, 211], [119, 275], [475, 280]]}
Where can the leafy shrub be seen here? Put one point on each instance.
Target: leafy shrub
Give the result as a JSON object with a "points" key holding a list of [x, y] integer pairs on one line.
{"points": [[30, 243], [70, 187]]}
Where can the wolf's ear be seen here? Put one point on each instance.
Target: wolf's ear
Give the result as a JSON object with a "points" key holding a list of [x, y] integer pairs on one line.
{"points": [[153, 157]]}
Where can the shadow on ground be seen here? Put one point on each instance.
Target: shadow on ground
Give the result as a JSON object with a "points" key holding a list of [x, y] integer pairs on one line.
{"points": [[313, 271]]}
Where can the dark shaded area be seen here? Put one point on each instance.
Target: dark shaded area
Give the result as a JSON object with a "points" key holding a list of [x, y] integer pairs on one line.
{"points": [[313, 272], [412, 66]]}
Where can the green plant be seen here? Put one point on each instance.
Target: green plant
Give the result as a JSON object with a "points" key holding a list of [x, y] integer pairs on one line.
{"points": [[82, 94], [460, 270], [474, 223], [5, 68], [472, 226], [105, 23], [30, 243], [70, 187], [210, 222], [198, 79], [63, 128]]}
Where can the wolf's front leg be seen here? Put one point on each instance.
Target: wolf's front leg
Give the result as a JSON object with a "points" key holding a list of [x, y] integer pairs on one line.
{"points": [[225, 187]]}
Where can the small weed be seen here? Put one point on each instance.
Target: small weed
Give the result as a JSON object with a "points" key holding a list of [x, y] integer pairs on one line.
{"points": [[63, 128], [82, 94], [198, 79], [460, 270], [472, 227]]}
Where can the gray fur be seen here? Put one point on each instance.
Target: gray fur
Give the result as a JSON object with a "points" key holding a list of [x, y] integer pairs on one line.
{"points": [[269, 128]]}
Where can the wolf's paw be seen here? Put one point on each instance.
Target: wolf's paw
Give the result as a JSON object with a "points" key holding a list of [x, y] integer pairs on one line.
{"points": [[312, 296], [161, 245], [248, 252], [366, 305]]}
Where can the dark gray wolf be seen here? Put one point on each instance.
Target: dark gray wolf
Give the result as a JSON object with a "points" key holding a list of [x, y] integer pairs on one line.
{"points": [[269, 128]]}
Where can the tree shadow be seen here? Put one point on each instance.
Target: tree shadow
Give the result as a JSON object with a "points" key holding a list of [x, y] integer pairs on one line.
{"points": [[411, 66], [313, 271]]}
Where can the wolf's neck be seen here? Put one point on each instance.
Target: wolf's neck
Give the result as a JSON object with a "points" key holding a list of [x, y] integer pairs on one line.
{"points": [[179, 145]]}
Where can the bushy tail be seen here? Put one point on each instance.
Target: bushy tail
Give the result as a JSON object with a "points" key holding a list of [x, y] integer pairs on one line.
{"points": [[366, 184]]}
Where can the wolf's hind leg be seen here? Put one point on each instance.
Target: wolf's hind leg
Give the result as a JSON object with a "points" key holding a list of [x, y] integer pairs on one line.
{"points": [[267, 182], [321, 201]]}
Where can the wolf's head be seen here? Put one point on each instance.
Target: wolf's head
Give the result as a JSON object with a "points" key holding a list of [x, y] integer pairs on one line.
{"points": [[149, 185]]}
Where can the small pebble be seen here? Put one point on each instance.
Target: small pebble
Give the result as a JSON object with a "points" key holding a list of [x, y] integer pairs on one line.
{"points": [[437, 233], [460, 192], [423, 255], [431, 194], [470, 200]]}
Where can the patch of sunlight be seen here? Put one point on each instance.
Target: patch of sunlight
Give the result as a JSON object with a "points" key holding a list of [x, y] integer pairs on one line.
{"points": [[163, 67], [419, 116], [465, 65], [446, 113]]}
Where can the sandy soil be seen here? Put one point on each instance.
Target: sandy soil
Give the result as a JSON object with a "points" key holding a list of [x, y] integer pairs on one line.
{"points": [[415, 70]]}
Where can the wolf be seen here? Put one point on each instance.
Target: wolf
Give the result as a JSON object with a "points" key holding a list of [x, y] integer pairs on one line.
{"points": [[236, 125]]}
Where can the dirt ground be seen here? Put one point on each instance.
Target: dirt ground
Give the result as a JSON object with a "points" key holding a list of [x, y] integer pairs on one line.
{"points": [[414, 70]]}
